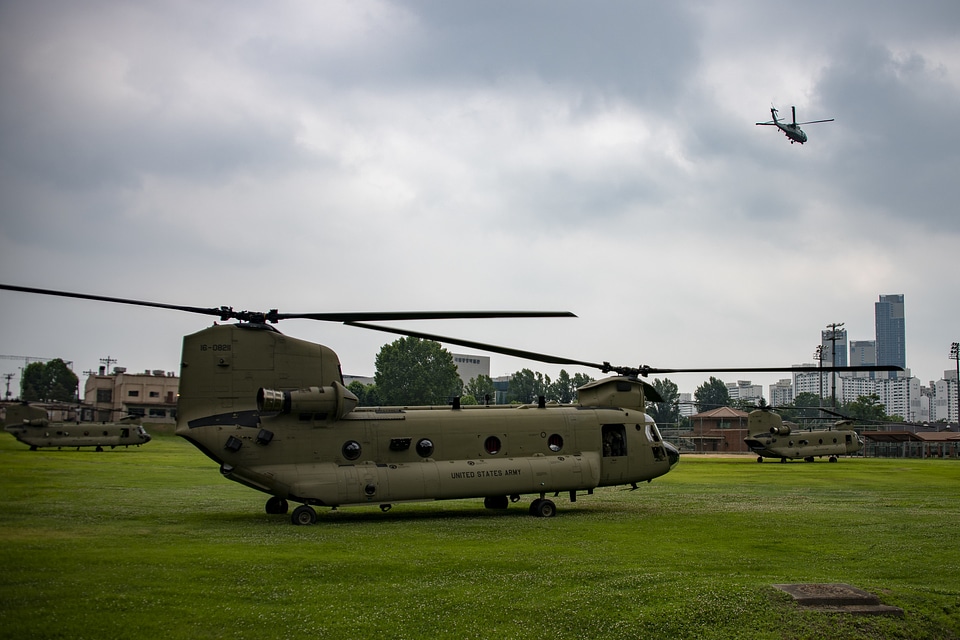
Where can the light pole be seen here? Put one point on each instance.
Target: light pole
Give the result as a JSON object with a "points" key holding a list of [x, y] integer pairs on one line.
{"points": [[833, 326], [818, 356], [955, 355]]}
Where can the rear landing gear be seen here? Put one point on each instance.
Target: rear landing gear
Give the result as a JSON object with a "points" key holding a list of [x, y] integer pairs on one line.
{"points": [[276, 506], [543, 508]]}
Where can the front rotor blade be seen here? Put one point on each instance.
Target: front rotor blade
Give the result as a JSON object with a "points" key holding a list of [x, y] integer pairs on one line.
{"points": [[373, 316], [816, 121], [507, 351], [210, 311]]}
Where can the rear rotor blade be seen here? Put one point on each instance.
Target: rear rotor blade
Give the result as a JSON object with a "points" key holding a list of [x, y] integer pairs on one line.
{"points": [[605, 367], [816, 121]]}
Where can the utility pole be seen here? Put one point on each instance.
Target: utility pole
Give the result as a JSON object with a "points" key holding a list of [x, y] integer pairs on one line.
{"points": [[106, 362], [833, 326]]}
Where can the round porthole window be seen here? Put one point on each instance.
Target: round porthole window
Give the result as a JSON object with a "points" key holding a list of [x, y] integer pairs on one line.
{"points": [[492, 445], [425, 448], [555, 442], [351, 450]]}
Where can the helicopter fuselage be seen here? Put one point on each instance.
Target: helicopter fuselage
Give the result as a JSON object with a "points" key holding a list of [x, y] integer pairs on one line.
{"points": [[774, 439], [29, 425], [273, 413], [793, 132]]}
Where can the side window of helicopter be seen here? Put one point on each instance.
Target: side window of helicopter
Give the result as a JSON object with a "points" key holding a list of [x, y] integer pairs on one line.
{"points": [[555, 442], [425, 447], [492, 445], [614, 440], [351, 450]]}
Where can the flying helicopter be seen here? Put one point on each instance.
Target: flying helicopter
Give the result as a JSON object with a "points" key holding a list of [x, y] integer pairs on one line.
{"points": [[791, 129], [773, 438], [272, 412], [31, 425]]}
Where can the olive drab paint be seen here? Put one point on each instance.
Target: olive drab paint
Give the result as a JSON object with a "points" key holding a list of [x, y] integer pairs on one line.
{"points": [[273, 412]]}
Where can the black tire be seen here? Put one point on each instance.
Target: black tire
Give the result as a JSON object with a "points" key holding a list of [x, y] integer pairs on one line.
{"points": [[496, 502], [304, 515], [277, 506], [545, 508], [759, 458], [534, 506]]}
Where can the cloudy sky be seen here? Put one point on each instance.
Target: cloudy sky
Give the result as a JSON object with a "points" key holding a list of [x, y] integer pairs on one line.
{"points": [[596, 157]]}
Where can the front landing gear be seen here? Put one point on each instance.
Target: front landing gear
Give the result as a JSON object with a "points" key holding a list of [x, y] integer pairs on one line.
{"points": [[543, 508], [277, 506], [304, 514]]}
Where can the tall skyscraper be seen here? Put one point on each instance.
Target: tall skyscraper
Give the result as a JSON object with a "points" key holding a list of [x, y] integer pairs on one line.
{"points": [[891, 335]]}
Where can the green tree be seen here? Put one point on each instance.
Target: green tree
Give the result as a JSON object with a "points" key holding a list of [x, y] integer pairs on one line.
{"points": [[526, 386], [53, 381], [711, 394], [562, 389], [411, 371], [480, 387], [668, 411], [867, 409], [806, 406], [366, 394], [580, 379]]}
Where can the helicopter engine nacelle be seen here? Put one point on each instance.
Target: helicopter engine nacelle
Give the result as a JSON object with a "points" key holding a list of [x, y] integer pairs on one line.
{"points": [[782, 430], [320, 402]]}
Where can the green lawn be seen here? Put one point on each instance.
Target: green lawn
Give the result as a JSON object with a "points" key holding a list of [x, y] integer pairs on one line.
{"points": [[153, 543]]}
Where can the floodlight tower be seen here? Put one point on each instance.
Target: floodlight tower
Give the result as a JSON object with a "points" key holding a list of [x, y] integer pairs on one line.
{"points": [[955, 355], [833, 326], [818, 356]]}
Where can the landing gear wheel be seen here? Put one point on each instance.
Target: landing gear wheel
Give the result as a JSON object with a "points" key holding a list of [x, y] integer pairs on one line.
{"points": [[832, 458], [759, 458], [304, 514], [496, 502], [543, 508], [277, 506]]}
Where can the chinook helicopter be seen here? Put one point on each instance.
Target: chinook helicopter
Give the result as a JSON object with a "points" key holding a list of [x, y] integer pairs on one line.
{"points": [[774, 438], [31, 426], [790, 129], [272, 412]]}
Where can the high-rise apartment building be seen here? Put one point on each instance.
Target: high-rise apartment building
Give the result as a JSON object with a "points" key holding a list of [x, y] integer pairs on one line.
{"points": [[891, 335]]}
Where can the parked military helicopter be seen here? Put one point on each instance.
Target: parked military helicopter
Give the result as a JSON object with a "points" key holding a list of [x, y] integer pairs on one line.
{"points": [[791, 129], [774, 438], [273, 413], [31, 425]]}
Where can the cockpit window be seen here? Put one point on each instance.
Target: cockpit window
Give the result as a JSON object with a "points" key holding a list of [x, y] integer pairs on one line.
{"points": [[653, 434]]}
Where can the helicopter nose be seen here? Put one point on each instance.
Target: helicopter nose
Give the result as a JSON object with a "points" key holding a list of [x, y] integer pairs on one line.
{"points": [[673, 454]]}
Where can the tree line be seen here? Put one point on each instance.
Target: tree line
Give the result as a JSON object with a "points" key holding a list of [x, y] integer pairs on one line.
{"points": [[806, 406]]}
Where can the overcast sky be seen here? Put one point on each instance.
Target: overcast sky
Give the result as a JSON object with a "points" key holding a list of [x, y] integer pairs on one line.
{"points": [[596, 157]]}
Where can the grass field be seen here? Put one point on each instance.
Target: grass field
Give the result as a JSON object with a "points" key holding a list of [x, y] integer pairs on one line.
{"points": [[153, 543]]}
